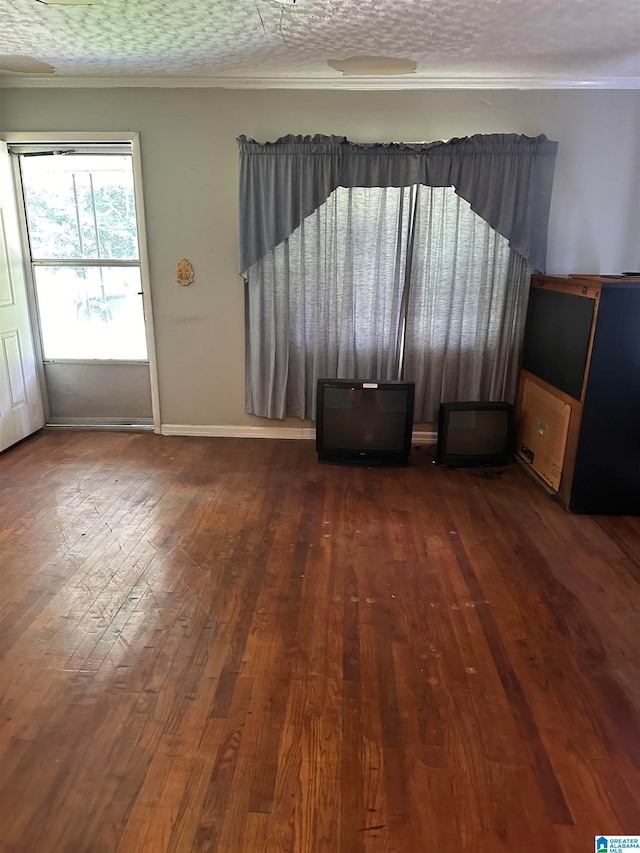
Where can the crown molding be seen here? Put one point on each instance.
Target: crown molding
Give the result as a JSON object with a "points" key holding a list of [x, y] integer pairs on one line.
{"points": [[372, 83]]}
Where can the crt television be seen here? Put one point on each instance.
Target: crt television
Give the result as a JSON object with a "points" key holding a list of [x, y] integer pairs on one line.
{"points": [[364, 423], [472, 434]]}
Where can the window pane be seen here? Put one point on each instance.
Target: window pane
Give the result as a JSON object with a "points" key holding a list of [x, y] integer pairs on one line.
{"points": [[91, 312], [80, 206]]}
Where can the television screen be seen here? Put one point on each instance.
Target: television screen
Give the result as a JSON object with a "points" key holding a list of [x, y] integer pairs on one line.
{"points": [[556, 338], [474, 433], [364, 423]]}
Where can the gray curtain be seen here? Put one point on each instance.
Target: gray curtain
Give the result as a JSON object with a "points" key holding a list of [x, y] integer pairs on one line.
{"points": [[466, 306], [384, 283], [506, 178], [388, 261], [327, 301]]}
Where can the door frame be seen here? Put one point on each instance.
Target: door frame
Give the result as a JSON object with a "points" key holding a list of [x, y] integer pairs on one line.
{"points": [[86, 138]]}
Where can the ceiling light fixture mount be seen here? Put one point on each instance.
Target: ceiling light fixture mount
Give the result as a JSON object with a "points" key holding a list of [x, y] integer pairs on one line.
{"points": [[20, 64], [70, 2], [379, 66]]}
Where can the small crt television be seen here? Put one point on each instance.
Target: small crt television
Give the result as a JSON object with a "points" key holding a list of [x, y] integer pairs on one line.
{"points": [[472, 434], [364, 423]]}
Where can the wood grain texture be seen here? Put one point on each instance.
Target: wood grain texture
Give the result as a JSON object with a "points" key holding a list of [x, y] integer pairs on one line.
{"points": [[222, 645]]}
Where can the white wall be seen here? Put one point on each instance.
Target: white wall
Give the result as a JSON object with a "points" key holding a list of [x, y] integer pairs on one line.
{"points": [[190, 169]]}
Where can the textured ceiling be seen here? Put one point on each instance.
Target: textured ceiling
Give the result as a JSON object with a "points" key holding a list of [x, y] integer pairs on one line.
{"points": [[261, 42]]}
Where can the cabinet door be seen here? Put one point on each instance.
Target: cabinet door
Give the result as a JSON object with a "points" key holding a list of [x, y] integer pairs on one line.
{"points": [[544, 427]]}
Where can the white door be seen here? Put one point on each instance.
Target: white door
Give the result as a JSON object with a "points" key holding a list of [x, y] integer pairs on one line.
{"points": [[21, 411]]}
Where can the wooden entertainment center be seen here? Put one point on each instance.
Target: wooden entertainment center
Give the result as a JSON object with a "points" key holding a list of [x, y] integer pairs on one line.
{"points": [[578, 407]]}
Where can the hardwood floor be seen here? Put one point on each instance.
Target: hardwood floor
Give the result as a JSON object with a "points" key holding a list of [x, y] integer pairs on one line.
{"points": [[222, 645]]}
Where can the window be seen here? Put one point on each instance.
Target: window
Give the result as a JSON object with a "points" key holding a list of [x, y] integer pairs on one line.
{"points": [[381, 261], [83, 239]]}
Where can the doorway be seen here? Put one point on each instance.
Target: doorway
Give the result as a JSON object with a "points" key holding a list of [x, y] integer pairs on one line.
{"points": [[84, 250]]}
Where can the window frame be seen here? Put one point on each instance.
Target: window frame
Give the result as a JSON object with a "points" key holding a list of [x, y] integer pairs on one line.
{"points": [[16, 140]]}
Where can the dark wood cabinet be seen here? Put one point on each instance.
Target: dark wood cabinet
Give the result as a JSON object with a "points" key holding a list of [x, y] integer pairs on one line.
{"points": [[578, 409]]}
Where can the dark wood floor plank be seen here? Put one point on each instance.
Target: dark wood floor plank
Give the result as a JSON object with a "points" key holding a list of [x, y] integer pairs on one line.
{"points": [[222, 645]]}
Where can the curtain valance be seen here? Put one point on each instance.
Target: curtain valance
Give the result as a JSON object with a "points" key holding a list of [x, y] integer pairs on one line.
{"points": [[506, 178]]}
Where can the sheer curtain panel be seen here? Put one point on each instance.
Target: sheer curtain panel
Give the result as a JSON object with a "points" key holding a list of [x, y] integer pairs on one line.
{"points": [[466, 306], [327, 301]]}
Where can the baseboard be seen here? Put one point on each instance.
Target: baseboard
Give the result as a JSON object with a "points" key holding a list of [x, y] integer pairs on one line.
{"points": [[230, 431], [101, 423]]}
